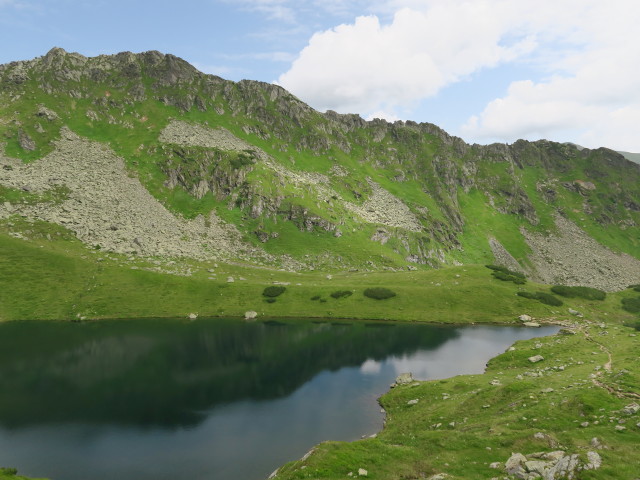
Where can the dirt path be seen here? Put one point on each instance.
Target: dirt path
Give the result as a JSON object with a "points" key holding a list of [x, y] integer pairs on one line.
{"points": [[608, 367]]}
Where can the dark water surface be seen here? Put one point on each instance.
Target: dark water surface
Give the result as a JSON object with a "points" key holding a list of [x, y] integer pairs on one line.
{"points": [[211, 399]]}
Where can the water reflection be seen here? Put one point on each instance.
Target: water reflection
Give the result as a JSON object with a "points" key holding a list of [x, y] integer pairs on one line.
{"points": [[209, 399], [168, 373]]}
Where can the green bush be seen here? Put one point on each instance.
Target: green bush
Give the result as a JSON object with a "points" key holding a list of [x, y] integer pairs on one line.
{"points": [[631, 305], [341, 293], [315, 297], [507, 277], [542, 297], [587, 293], [505, 270], [635, 287], [379, 293], [274, 291], [270, 300], [634, 325]]}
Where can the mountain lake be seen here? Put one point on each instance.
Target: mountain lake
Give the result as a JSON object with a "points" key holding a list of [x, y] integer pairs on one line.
{"points": [[211, 398]]}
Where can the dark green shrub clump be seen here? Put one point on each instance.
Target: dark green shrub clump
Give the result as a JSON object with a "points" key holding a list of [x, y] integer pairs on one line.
{"points": [[587, 293], [379, 293], [270, 300], [635, 287], [542, 297], [273, 291], [498, 268], [631, 305], [341, 294], [506, 275], [315, 297], [634, 325]]}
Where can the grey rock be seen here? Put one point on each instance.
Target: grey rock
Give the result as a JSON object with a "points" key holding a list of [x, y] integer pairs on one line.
{"points": [[594, 461], [404, 379], [564, 468], [515, 464], [46, 113], [25, 141], [536, 358], [250, 315], [536, 466], [631, 409]]}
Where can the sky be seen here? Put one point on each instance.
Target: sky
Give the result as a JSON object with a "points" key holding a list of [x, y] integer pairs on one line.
{"points": [[484, 70]]}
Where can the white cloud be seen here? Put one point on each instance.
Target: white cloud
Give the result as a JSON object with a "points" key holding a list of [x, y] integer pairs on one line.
{"points": [[594, 95], [585, 53], [367, 66]]}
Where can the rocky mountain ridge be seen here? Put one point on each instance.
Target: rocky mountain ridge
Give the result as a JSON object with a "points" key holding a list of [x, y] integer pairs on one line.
{"points": [[246, 171]]}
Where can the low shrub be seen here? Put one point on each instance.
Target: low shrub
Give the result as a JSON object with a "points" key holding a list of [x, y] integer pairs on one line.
{"points": [[274, 291], [315, 297], [341, 293], [634, 325], [506, 277], [631, 305], [270, 300], [498, 268], [587, 293], [634, 287], [379, 293], [542, 297]]}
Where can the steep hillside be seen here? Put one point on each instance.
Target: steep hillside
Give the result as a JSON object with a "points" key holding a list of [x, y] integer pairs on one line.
{"points": [[142, 155]]}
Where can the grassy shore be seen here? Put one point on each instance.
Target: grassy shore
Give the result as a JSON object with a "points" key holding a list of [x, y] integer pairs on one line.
{"points": [[460, 426], [457, 426]]}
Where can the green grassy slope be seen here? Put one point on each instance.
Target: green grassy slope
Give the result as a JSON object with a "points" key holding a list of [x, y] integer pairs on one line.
{"points": [[461, 425], [61, 279], [461, 194]]}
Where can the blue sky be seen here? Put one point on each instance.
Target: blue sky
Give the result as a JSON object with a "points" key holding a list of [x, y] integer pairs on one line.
{"points": [[485, 70]]}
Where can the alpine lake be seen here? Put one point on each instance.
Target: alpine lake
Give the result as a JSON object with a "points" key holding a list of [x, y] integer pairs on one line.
{"points": [[211, 398]]}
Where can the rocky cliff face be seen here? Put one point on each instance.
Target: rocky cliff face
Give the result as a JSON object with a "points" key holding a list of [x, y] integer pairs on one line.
{"points": [[331, 190]]}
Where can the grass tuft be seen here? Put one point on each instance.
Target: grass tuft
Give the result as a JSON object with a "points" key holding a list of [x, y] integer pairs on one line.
{"points": [[379, 293], [631, 305], [341, 293], [588, 293], [542, 297], [274, 291]]}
